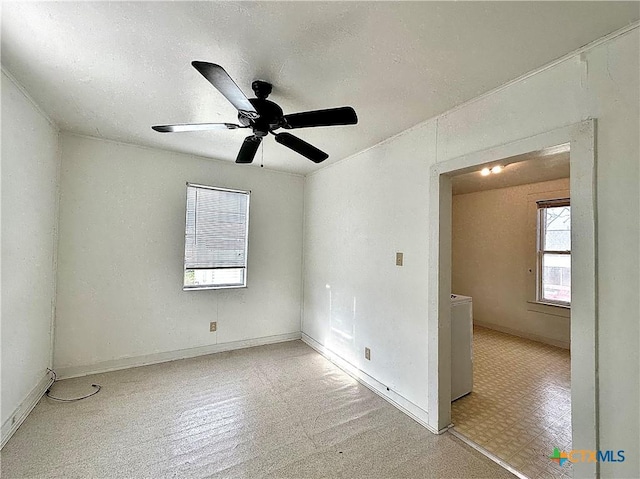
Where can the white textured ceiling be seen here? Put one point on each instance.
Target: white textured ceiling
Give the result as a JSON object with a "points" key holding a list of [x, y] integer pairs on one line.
{"points": [[533, 167], [113, 69]]}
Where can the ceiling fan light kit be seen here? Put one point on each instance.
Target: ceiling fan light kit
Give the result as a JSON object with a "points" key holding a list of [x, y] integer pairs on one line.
{"points": [[263, 117]]}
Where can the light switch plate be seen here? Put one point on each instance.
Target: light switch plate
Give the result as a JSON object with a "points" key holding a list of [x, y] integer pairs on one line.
{"points": [[399, 259], [213, 326], [367, 354]]}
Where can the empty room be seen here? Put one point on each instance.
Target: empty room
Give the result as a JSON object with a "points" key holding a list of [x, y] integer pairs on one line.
{"points": [[231, 232]]}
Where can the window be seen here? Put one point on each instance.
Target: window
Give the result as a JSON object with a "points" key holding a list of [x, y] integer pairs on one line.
{"points": [[554, 252], [215, 246]]}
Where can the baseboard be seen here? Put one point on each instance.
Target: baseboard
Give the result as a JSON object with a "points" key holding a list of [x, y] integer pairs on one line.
{"points": [[136, 361], [398, 401], [534, 337], [14, 421]]}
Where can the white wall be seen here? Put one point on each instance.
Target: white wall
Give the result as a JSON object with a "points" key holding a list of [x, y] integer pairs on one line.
{"points": [[359, 211], [121, 249], [358, 214], [30, 164], [493, 249]]}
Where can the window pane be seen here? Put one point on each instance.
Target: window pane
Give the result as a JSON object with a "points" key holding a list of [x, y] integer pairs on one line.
{"points": [[214, 277], [557, 232], [556, 277], [216, 231]]}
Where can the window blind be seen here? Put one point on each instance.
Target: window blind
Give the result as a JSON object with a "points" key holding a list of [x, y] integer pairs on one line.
{"points": [[553, 203], [216, 228]]}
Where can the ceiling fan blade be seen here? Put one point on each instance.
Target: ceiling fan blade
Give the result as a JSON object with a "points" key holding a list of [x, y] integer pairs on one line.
{"points": [[220, 79], [333, 116], [195, 127], [302, 147], [248, 149]]}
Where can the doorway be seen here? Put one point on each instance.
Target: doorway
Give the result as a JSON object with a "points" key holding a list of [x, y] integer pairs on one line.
{"points": [[510, 319], [581, 140]]}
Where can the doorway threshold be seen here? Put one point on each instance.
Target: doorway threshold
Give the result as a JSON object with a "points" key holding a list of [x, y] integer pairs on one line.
{"points": [[488, 454]]}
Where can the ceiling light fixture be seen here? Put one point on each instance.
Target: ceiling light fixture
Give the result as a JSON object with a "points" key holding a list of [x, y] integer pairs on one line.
{"points": [[485, 172]]}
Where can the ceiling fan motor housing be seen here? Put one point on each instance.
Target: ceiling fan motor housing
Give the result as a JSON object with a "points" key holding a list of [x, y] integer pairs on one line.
{"points": [[270, 117]]}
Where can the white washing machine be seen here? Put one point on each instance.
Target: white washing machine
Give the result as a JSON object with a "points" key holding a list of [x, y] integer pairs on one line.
{"points": [[461, 346]]}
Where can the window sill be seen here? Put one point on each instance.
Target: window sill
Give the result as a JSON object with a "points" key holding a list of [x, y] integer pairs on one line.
{"points": [[561, 310], [200, 288]]}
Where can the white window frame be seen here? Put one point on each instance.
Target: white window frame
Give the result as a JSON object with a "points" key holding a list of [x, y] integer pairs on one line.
{"points": [[542, 205], [186, 287]]}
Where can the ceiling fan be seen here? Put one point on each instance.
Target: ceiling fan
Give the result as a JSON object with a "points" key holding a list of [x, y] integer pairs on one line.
{"points": [[263, 116]]}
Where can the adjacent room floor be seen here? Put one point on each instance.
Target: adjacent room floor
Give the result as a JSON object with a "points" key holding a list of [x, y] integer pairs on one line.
{"points": [[272, 411], [520, 407]]}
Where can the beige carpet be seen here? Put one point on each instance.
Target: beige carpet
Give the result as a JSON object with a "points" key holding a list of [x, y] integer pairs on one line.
{"points": [[520, 407], [272, 411]]}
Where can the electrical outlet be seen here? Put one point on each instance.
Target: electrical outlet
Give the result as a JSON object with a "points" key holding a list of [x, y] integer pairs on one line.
{"points": [[367, 354], [399, 259], [213, 326]]}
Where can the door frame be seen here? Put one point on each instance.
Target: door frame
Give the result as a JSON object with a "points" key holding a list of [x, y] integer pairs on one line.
{"points": [[584, 313]]}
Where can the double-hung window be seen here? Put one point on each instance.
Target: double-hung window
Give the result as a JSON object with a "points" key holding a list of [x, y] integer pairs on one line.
{"points": [[216, 233], [554, 252]]}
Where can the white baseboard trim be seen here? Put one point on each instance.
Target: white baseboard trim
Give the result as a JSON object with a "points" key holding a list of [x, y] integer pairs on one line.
{"points": [[398, 401], [136, 361], [534, 337], [14, 421]]}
